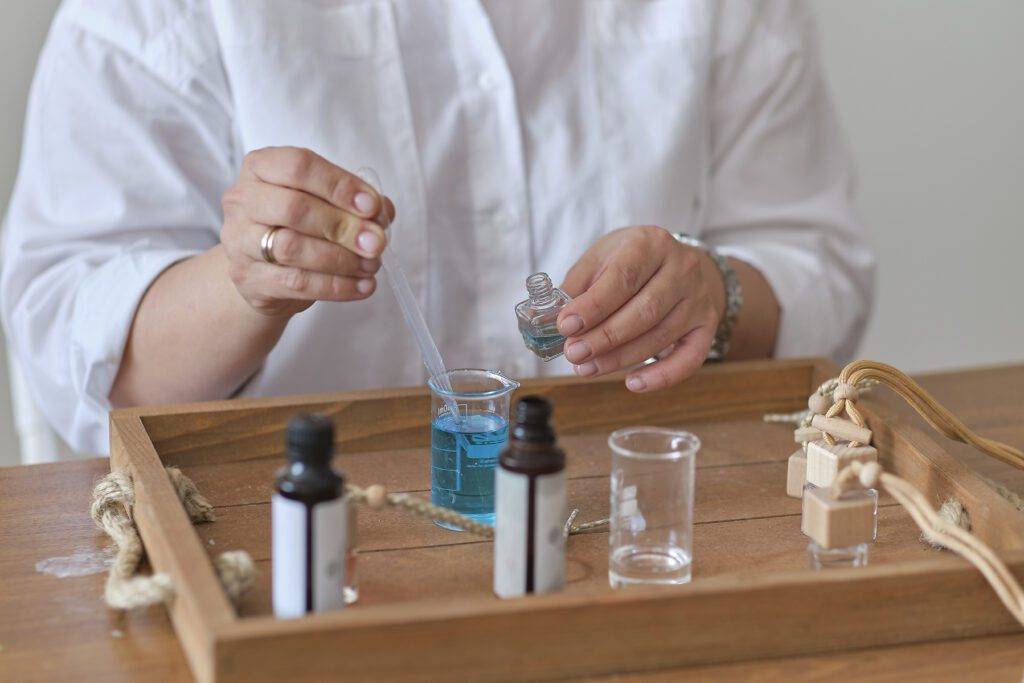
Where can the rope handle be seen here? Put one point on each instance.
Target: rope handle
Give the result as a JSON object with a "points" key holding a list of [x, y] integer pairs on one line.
{"points": [[113, 501]]}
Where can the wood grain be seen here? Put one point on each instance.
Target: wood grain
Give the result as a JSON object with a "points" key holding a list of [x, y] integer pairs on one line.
{"points": [[200, 607], [396, 419], [734, 548], [715, 620], [52, 627]]}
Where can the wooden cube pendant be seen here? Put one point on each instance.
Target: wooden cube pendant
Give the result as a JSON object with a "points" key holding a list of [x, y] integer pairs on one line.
{"points": [[838, 522], [796, 475], [824, 462]]}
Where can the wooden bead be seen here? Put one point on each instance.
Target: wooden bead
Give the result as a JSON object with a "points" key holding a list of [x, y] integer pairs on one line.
{"points": [[838, 522], [796, 474], [845, 391], [805, 434], [376, 496], [842, 429], [869, 475], [824, 462], [818, 404]]}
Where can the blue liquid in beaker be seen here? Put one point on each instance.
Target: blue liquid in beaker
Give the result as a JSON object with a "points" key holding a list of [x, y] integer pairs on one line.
{"points": [[463, 454]]}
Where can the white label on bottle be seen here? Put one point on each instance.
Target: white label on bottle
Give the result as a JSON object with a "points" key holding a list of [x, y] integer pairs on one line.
{"points": [[308, 571], [511, 497], [512, 575], [330, 528], [548, 533]]}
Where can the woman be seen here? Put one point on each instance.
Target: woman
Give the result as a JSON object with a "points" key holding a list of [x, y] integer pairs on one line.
{"points": [[187, 194]]}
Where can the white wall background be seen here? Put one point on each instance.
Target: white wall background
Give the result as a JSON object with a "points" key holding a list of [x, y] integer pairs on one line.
{"points": [[932, 97]]}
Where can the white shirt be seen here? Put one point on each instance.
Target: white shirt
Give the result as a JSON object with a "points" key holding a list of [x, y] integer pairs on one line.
{"points": [[510, 133]]}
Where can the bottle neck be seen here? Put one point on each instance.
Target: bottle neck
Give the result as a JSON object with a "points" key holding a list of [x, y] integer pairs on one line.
{"points": [[310, 481], [540, 289]]}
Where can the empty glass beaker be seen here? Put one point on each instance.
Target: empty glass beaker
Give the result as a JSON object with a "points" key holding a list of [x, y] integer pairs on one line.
{"points": [[651, 525], [464, 446]]}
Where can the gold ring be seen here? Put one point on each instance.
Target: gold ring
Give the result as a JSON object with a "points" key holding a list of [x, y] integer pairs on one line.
{"points": [[267, 244]]}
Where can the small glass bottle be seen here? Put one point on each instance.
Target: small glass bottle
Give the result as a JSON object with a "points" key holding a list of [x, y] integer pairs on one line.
{"points": [[537, 316], [839, 528], [309, 525], [530, 506], [837, 558]]}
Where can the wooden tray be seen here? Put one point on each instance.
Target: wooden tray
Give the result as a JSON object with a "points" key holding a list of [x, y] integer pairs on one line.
{"points": [[426, 610]]}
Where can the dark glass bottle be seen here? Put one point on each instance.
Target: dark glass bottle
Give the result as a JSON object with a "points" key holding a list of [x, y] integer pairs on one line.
{"points": [[309, 522], [530, 505]]}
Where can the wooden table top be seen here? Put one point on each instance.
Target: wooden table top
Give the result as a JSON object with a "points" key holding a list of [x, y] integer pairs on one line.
{"points": [[56, 627]]}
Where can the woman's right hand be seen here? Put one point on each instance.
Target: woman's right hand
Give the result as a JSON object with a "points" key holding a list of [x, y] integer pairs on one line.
{"points": [[329, 231]]}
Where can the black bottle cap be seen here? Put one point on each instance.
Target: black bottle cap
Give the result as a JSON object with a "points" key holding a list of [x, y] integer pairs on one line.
{"points": [[533, 420], [310, 438], [531, 446]]}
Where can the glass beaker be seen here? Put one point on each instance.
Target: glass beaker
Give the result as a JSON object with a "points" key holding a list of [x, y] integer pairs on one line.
{"points": [[464, 446], [651, 525]]}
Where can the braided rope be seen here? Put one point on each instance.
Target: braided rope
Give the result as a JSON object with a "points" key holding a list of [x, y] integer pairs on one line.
{"points": [[113, 500], [802, 418], [377, 497], [937, 530]]}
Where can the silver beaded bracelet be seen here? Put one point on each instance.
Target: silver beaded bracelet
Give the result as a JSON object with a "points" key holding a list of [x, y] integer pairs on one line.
{"points": [[733, 296]]}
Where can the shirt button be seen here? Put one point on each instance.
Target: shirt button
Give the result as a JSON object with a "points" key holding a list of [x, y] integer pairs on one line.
{"points": [[487, 81]]}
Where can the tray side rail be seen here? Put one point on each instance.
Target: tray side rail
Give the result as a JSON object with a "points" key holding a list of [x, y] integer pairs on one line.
{"points": [[714, 621], [200, 607]]}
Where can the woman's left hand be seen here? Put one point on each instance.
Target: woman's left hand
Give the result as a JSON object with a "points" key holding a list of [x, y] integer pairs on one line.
{"points": [[636, 292]]}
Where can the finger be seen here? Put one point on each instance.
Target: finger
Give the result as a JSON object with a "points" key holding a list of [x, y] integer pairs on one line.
{"points": [[287, 282], [303, 169], [581, 276], [684, 360], [291, 248], [642, 313], [628, 269], [275, 205], [671, 328], [387, 217], [307, 171]]}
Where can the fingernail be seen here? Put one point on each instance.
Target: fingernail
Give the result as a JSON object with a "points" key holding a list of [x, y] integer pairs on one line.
{"points": [[364, 286], [587, 369], [369, 242], [636, 383], [577, 351], [570, 325], [369, 265], [365, 203]]}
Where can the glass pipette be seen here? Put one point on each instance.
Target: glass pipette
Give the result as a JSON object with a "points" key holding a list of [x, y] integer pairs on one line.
{"points": [[407, 302]]}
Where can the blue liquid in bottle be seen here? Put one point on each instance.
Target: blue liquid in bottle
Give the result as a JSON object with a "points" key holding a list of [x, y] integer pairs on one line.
{"points": [[463, 453], [545, 342]]}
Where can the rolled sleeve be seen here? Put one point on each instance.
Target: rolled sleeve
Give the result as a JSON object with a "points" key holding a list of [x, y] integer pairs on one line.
{"points": [[780, 191], [123, 164], [101, 318]]}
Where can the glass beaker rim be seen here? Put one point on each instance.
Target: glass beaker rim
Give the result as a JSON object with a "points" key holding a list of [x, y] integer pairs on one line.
{"points": [[508, 385], [683, 443]]}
